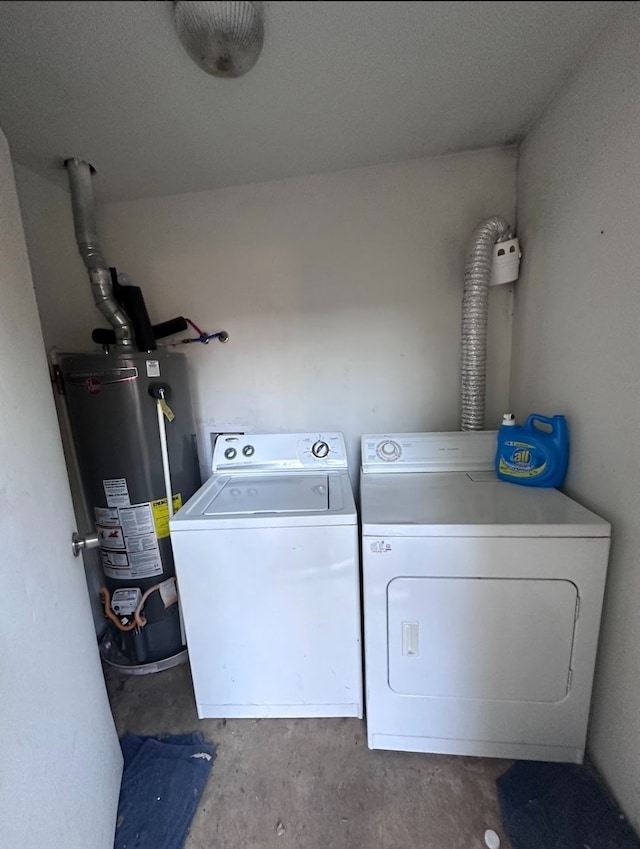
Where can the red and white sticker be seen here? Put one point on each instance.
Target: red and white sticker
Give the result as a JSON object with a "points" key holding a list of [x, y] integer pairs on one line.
{"points": [[93, 385], [111, 537]]}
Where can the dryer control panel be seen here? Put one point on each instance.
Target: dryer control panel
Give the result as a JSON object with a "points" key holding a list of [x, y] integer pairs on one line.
{"points": [[279, 452], [429, 452]]}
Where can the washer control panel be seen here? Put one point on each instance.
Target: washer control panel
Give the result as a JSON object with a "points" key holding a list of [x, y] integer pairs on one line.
{"points": [[279, 451], [429, 452]]}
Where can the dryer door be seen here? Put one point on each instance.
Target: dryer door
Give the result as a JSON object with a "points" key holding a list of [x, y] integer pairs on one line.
{"points": [[481, 638]]}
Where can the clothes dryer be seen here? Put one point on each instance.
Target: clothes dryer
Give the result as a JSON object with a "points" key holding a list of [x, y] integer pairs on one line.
{"points": [[482, 603]]}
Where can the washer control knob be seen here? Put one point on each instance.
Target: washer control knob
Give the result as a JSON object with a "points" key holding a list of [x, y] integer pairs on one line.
{"points": [[389, 450], [248, 450], [320, 449], [230, 454]]}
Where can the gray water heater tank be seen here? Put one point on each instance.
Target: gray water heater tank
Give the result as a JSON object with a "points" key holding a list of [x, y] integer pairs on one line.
{"points": [[114, 424]]}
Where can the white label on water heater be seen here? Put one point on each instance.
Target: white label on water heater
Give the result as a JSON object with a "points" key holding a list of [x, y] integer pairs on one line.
{"points": [[168, 592], [116, 492], [136, 520], [115, 563], [107, 515], [128, 541], [145, 562], [153, 368]]}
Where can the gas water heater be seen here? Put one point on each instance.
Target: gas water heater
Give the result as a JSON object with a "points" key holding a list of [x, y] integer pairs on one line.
{"points": [[132, 427], [112, 399]]}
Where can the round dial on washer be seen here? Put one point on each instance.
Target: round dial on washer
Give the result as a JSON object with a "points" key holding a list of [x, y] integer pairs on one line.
{"points": [[248, 450], [320, 449], [388, 450], [230, 453]]}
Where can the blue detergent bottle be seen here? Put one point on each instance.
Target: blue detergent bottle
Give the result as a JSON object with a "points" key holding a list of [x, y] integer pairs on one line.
{"points": [[535, 453]]}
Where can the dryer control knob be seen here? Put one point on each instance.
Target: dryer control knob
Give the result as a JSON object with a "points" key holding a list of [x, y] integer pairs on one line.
{"points": [[230, 454], [388, 450], [320, 449]]}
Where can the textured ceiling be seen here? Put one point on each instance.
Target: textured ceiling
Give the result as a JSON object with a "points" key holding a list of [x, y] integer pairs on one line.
{"points": [[338, 85]]}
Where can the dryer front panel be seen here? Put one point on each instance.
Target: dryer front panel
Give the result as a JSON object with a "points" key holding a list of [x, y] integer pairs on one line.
{"points": [[481, 646], [481, 638]]}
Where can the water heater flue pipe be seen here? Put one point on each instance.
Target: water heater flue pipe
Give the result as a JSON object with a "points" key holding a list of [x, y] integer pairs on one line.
{"points": [[84, 219], [475, 314]]}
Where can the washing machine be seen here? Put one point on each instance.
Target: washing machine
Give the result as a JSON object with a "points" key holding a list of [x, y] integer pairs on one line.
{"points": [[267, 561], [482, 603]]}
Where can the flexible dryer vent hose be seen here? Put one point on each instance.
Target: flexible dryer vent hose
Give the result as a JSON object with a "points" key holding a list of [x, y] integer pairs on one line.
{"points": [[475, 314]]}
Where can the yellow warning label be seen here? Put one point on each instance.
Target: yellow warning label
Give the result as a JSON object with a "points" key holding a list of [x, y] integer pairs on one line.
{"points": [[160, 512]]}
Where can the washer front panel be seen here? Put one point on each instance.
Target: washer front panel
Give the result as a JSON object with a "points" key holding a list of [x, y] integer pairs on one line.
{"points": [[272, 617]]}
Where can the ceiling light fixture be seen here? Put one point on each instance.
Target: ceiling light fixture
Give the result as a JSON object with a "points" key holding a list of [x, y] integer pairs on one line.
{"points": [[222, 38]]}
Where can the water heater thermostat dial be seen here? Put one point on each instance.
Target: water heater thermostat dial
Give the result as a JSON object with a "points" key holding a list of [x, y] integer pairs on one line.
{"points": [[320, 449], [388, 450]]}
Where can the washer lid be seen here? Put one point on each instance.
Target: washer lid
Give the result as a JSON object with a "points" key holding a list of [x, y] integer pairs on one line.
{"points": [[470, 504], [268, 500], [247, 494]]}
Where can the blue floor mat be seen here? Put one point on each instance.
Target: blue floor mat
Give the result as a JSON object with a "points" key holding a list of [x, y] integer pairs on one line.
{"points": [[162, 782], [560, 806]]}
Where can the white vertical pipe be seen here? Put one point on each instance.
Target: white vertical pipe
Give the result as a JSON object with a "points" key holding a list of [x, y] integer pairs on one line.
{"points": [[166, 469], [165, 453]]}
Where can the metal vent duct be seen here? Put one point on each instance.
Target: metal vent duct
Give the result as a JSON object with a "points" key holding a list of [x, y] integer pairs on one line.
{"points": [[84, 220]]}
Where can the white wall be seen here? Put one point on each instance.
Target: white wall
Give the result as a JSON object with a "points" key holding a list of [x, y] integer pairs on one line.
{"points": [[577, 345], [341, 293], [61, 762], [65, 303]]}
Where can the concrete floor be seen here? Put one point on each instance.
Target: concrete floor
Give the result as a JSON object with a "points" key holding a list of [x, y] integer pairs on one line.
{"points": [[312, 783]]}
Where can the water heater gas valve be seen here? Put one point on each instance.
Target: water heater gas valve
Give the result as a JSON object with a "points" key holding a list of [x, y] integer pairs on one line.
{"points": [[125, 601]]}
